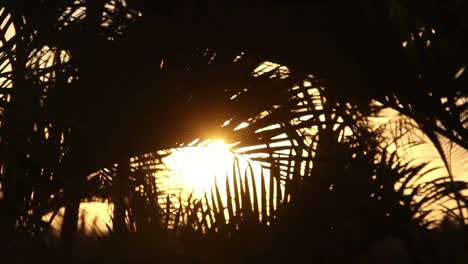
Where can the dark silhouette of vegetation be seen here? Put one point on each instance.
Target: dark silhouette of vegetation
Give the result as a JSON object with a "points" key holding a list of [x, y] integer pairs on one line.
{"points": [[94, 94]]}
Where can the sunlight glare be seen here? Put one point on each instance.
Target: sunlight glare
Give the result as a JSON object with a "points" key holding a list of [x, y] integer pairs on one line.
{"points": [[196, 168]]}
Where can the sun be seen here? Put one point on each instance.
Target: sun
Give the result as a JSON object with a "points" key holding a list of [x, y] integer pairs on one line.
{"points": [[196, 167]]}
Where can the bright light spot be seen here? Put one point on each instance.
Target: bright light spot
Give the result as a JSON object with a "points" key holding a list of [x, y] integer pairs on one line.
{"points": [[193, 142], [265, 67], [307, 83], [226, 123], [46, 133], [459, 72], [204, 143], [275, 126], [195, 168], [94, 219], [428, 43], [237, 58], [272, 68], [241, 126]]}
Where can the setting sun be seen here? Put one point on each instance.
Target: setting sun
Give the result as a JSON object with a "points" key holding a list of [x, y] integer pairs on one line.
{"points": [[196, 167], [117, 145]]}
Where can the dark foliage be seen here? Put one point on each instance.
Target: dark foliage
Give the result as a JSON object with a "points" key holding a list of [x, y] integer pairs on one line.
{"points": [[94, 93]]}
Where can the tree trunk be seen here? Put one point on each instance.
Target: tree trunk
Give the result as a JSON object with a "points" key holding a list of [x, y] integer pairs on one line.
{"points": [[70, 219], [120, 196]]}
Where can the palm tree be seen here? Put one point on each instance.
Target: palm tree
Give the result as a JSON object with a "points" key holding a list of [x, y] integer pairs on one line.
{"points": [[94, 114], [32, 73]]}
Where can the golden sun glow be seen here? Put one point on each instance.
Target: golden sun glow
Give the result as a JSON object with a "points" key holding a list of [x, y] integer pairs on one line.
{"points": [[195, 168]]}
